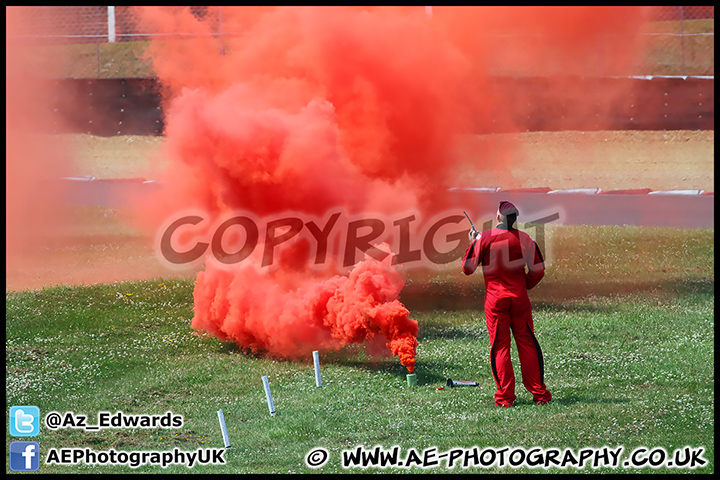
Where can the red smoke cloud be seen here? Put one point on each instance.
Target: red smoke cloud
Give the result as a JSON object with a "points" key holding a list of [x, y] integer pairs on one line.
{"points": [[242, 306], [34, 158], [308, 109]]}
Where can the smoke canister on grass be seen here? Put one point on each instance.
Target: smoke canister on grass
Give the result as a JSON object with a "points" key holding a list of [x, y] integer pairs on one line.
{"points": [[316, 361], [412, 379], [461, 383], [268, 395]]}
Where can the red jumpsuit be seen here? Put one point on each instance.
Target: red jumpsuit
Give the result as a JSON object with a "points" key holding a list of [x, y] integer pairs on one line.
{"points": [[504, 254]]}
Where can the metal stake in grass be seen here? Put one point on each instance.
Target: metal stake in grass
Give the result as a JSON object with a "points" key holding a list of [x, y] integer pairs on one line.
{"points": [[268, 396], [223, 427], [316, 361]]}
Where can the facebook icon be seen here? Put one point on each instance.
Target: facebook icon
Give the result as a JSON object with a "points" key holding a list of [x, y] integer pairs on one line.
{"points": [[24, 456]]}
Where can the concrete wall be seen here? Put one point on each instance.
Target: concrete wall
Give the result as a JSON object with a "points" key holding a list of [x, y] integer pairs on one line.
{"points": [[132, 106]]}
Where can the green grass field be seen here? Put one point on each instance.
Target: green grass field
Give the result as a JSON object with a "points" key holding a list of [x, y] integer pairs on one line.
{"points": [[629, 359]]}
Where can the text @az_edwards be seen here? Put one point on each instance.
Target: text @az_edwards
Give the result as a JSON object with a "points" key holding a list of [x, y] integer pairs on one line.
{"points": [[117, 420], [513, 457]]}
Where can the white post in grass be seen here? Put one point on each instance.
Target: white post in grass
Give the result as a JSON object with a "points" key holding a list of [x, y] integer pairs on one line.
{"points": [[268, 396], [316, 360], [223, 427], [111, 24]]}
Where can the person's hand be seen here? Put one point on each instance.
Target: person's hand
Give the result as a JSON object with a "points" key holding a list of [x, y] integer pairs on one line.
{"points": [[473, 234]]}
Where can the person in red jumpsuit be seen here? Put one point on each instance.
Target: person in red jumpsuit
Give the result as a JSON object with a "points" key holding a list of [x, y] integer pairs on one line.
{"points": [[504, 252]]}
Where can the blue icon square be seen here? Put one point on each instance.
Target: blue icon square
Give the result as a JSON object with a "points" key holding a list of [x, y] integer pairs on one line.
{"points": [[24, 456], [24, 421]]}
